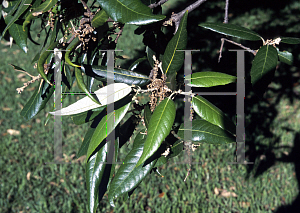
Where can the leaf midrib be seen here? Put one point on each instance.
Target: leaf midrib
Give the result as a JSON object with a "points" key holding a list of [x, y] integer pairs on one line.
{"points": [[250, 32], [204, 132], [134, 10], [156, 126], [177, 42], [133, 76]]}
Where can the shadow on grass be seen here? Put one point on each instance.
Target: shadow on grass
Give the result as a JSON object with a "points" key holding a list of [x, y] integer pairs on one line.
{"points": [[294, 158]]}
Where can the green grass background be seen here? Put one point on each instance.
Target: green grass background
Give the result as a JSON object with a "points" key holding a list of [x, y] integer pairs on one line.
{"points": [[30, 183]]}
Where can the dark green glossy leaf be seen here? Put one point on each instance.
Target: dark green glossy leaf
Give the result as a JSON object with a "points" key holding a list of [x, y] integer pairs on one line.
{"points": [[17, 68], [205, 132], [148, 2], [55, 30], [262, 70], [147, 115], [105, 127], [134, 65], [10, 20], [209, 79], [82, 85], [129, 11], [95, 168], [232, 30], [174, 59], [285, 57], [19, 35], [212, 114], [160, 126], [290, 40], [129, 176], [99, 174], [150, 54], [96, 120], [176, 149], [99, 19], [38, 100], [42, 60], [120, 75], [87, 138], [87, 116]]}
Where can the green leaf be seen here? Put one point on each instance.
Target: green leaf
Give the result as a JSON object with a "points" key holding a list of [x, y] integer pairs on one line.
{"points": [[99, 116], [134, 65], [285, 57], [174, 150], [82, 85], [88, 136], [212, 114], [120, 75], [289, 40], [263, 66], [17, 68], [95, 168], [10, 20], [38, 100], [120, 90], [44, 7], [148, 2], [129, 12], [19, 36], [150, 54], [104, 128], [99, 173], [173, 59], [203, 131], [160, 126], [147, 115], [209, 79], [129, 175], [87, 116], [232, 30], [99, 19], [161, 161]]}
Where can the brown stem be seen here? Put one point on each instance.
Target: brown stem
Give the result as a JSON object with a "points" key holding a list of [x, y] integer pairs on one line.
{"points": [[157, 4], [110, 20], [245, 48], [85, 6], [225, 22], [177, 17], [71, 39], [119, 34]]}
